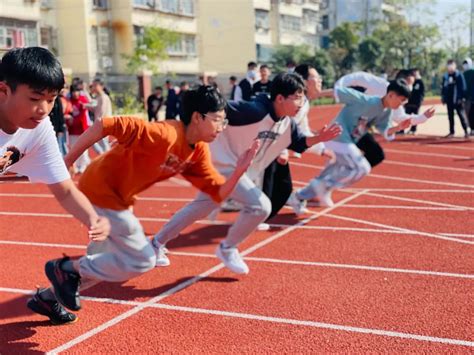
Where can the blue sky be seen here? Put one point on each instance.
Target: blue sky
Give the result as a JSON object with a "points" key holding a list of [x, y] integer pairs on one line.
{"points": [[458, 27]]}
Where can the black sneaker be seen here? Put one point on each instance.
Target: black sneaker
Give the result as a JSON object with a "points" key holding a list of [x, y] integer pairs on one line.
{"points": [[56, 313], [66, 284]]}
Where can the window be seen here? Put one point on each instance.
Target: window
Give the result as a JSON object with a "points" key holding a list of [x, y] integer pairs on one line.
{"points": [[99, 4], [103, 40], [145, 3], [291, 23], [169, 6], [310, 17], [325, 22], [186, 7], [262, 19], [185, 46], [31, 37], [3, 37], [17, 33]]}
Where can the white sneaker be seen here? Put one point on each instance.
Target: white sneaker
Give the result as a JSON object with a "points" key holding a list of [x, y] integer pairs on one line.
{"points": [[323, 195], [297, 155], [299, 206], [161, 257], [263, 227], [232, 259]]}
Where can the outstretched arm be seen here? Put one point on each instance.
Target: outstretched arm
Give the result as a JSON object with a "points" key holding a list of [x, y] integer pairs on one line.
{"points": [[74, 201], [85, 141], [242, 165], [324, 135]]}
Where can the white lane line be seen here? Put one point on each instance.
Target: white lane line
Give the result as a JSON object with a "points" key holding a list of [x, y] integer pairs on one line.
{"points": [[161, 199], [352, 189], [144, 198], [396, 178], [437, 145], [413, 232], [189, 282], [438, 155], [426, 166], [423, 208], [423, 201], [267, 260], [278, 320], [458, 235]]}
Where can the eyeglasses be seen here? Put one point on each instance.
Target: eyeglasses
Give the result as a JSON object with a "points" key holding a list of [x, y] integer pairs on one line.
{"points": [[218, 122], [299, 100]]}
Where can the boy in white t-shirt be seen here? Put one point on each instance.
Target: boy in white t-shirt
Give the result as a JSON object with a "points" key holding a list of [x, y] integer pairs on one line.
{"points": [[30, 80]]}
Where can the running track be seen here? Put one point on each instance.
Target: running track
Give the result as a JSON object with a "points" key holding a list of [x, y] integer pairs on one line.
{"points": [[389, 268]]}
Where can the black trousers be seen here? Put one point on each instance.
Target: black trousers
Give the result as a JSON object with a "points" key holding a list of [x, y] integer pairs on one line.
{"points": [[277, 185], [412, 110], [459, 108], [373, 151]]}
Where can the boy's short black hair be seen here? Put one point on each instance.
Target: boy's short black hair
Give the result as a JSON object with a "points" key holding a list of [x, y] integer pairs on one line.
{"points": [[204, 99], [404, 73], [264, 66], [74, 87], [233, 78], [33, 66], [399, 87], [303, 70], [158, 88], [286, 84], [251, 65], [450, 61]]}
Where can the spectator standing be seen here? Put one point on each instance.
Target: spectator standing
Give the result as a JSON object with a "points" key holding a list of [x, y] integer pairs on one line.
{"points": [[264, 84], [154, 103], [244, 89], [171, 102], [233, 87], [469, 104], [416, 98], [453, 89]]}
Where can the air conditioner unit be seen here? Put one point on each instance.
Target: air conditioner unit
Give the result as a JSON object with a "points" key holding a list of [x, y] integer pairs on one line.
{"points": [[107, 62]]}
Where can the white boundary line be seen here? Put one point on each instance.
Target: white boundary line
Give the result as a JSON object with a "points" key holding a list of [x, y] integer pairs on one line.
{"points": [[423, 208], [189, 282], [425, 166], [352, 189], [413, 232], [143, 305], [434, 145], [269, 260], [438, 155]]}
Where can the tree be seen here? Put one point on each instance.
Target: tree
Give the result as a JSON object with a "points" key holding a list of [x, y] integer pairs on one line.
{"points": [[150, 46], [283, 54], [370, 54], [322, 62], [343, 47]]}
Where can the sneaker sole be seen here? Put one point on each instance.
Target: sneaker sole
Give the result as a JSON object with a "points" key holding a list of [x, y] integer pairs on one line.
{"points": [[239, 272], [32, 307], [49, 270], [162, 264]]}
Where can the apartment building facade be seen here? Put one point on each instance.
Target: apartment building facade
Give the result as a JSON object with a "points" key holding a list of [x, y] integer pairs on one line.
{"points": [[285, 22], [335, 12]]}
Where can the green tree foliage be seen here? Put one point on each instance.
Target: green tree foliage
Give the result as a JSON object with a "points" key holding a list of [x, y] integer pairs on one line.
{"points": [[343, 47], [370, 54], [150, 47], [283, 54]]}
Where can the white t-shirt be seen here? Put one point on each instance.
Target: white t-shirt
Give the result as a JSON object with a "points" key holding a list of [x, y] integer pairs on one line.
{"points": [[33, 153], [376, 86]]}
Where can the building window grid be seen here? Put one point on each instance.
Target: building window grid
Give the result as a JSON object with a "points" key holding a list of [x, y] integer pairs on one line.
{"points": [[178, 7], [185, 46], [291, 23], [262, 19], [99, 4], [11, 37]]}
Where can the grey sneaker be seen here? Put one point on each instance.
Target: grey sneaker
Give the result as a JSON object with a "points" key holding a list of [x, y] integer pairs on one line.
{"points": [[161, 257], [232, 259], [299, 206]]}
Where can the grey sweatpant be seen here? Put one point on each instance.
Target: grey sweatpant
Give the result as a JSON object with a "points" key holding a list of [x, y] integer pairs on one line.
{"points": [[256, 209], [126, 253], [350, 167]]}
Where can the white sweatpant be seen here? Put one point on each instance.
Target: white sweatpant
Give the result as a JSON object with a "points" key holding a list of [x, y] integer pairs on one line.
{"points": [[350, 167], [256, 208], [125, 254]]}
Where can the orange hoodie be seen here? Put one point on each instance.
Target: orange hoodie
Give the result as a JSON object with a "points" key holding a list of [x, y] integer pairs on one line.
{"points": [[145, 154]]}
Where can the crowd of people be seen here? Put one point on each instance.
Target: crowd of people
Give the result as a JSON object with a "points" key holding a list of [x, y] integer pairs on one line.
{"points": [[230, 150]]}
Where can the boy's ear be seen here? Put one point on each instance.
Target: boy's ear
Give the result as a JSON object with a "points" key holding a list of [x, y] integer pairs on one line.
{"points": [[196, 116], [5, 90]]}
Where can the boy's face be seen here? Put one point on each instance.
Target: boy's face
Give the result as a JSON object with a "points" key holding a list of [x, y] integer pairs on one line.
{"points": [[313, 84], [394, 100], [25, 107], [264, 73], [210, 124], [290, 105]]}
